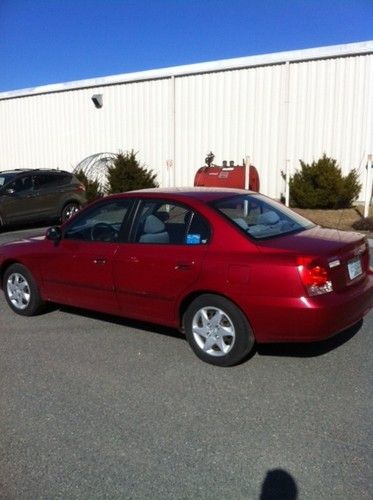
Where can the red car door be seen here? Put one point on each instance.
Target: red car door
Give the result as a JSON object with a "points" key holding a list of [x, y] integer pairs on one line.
{"points": [[79, 269], [149, 278], [162, 264], [79, 273]]}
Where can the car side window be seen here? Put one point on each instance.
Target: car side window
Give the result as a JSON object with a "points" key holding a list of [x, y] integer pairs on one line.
{"points": [[45, 181], [163, 222], [21, 185], [102, 223]]}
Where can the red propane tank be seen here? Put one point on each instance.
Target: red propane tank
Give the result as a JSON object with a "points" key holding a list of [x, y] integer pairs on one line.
{"points": [[231, 177]]}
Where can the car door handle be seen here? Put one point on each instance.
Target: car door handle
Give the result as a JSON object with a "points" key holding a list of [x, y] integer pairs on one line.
{"points": [[99, 260], [183, 266]]}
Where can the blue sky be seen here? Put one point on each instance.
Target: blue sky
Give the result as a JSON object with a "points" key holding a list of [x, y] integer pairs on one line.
{"points": [[53, 41]]}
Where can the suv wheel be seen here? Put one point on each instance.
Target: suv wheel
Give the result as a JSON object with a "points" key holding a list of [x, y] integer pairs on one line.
{"points": [[69, 210]]}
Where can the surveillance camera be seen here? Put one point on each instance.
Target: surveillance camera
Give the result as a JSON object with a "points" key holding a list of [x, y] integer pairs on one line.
{"points": [[97, 100]]}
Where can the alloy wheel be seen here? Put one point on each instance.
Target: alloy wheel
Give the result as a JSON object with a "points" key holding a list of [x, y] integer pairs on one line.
{"points": [[18, 291], [213, 331]]}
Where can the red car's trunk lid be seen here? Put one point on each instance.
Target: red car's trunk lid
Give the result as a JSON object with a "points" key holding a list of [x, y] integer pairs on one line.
{"points": [[345, 255]]}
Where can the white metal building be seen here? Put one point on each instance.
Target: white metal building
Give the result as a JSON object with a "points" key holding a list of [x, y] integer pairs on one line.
{"points": [[273, 108]]}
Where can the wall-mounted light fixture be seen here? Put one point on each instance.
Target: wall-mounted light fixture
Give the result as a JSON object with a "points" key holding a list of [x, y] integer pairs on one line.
{"points": [[97, 100]]}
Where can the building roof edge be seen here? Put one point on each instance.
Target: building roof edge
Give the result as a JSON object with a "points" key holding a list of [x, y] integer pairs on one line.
{"points": [[205, 67]]}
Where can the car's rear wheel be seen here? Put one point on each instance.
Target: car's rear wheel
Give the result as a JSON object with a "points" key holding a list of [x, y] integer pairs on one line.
{"points": [[21, 291], [217, 330], [69, 210]]}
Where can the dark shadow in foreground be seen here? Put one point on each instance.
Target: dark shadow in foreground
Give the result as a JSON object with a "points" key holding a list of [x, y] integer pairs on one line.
{"points": [[278, 485], [118, 320], [296, 349], [309, 349]]}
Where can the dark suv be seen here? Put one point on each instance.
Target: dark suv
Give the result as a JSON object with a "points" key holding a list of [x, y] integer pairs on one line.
{"points": [[38, 194]]}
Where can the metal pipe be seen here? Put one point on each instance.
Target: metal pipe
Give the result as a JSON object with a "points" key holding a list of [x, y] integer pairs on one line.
{"points": [[368, 186], [286, 132], [287, 182], [247, 172]]}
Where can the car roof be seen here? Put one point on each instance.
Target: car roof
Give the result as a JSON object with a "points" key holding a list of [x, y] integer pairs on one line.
{"points": [[204, 194], [16, 171]]}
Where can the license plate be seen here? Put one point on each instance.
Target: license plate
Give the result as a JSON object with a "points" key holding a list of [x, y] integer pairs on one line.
{"points": [[354, 268]]}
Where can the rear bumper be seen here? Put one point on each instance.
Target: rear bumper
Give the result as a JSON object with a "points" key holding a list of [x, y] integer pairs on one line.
{"points": [[308, 319]]}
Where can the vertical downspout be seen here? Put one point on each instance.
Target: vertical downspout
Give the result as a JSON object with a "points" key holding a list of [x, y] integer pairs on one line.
{"points": [[247, 172], [286, 129], [368, 185], [171, 167], [369, 144]]}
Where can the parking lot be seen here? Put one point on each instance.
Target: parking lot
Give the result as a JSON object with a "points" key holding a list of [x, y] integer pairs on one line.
{"points": [[93, 406]]}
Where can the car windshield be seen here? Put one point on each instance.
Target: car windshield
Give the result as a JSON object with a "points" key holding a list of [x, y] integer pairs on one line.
{"points": [[5, 178], [260, 217]]}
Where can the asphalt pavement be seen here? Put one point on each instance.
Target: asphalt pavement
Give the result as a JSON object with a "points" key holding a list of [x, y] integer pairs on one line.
{"points": [[93, 406]]}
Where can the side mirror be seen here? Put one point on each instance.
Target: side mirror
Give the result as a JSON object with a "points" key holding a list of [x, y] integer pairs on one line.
{"points": [[54, 233]]}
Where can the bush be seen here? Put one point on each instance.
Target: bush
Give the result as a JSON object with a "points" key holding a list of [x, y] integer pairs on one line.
{"points": [[127, 174], [322, 185], [364, 224], [92, 187]]}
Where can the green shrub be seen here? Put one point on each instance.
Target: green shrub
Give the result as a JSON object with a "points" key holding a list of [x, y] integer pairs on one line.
{"points": [[126, 174], [93, 188], [322, 185]]}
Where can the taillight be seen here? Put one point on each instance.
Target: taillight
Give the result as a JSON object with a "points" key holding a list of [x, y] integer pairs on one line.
{"points": [[314, 276], [80, 188]]}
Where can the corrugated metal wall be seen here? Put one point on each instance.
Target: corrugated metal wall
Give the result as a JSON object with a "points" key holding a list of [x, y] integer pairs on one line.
{"points": [[275, 114], [323, 106], [235, 114], [60, 129], [331, 111]]}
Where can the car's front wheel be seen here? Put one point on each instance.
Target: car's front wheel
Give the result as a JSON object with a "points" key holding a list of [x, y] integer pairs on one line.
{"points": [[217, 330], [21, 291]]}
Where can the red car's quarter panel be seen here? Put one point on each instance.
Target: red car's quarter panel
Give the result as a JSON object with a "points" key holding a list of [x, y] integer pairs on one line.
{"points": [[306, 319]]}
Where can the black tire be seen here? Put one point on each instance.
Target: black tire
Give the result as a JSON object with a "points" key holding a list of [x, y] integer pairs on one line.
{"points": [[69, 210], [21, 291], [217, 330]]}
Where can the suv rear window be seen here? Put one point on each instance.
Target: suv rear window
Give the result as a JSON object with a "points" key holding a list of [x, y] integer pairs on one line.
{"points": [[260, 217], [5, 178]]}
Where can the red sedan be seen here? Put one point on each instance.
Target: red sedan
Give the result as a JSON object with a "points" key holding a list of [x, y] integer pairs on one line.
{"points": [[227, 267]]}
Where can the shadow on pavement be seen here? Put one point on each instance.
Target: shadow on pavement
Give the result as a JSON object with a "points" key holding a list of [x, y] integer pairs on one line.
{"points": [[309, 349], [300, 350], [117, 320], [278, 484]]}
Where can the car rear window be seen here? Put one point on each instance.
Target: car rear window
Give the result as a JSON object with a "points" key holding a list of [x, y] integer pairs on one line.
{"points": [[65, 178], [260, 217]]}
